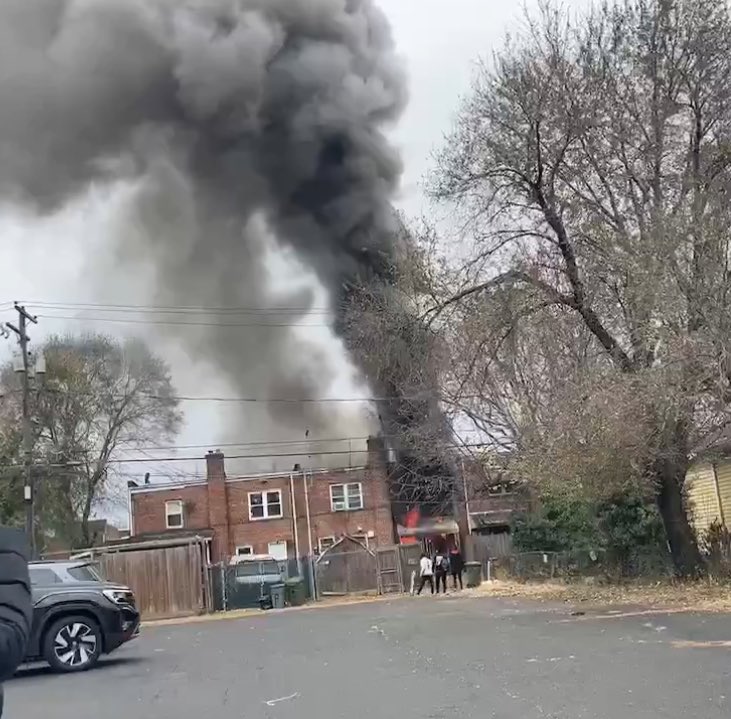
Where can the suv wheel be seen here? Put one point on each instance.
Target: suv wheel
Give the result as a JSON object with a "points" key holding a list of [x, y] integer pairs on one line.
{"points": [[72, 644]]}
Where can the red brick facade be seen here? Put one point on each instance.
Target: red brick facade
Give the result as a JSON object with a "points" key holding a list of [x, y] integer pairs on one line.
{"points": [[223, 505]]}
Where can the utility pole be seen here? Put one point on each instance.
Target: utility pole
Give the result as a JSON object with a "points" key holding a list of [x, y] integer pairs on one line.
{"points": [[28, 496]]}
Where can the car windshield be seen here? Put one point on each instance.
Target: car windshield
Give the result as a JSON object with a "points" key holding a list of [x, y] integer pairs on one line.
{"points": [[84, 573], [252, 569]]}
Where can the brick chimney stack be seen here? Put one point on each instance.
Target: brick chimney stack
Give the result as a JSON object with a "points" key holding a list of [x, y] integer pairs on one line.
{"points": [[218, 504], [215, 467]]}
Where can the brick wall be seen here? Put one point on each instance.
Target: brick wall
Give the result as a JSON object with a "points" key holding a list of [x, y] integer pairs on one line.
{"points": [[222, 504]]}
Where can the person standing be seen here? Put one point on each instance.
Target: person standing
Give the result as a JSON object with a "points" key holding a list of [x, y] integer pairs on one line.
{"points": [[440, 571], [426, 573], [16, 608], [456, 566]]}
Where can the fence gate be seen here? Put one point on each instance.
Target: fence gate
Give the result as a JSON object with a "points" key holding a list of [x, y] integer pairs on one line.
{"points": [[388, 566]]}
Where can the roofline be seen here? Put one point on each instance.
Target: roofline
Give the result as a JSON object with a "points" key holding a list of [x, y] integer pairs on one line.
{"points": [[243, 478]]}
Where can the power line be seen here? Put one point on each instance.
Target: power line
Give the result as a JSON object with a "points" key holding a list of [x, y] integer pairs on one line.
{"points": [[263, 400], [267, 443], [170, 308], [324, 453], [181, 323]]}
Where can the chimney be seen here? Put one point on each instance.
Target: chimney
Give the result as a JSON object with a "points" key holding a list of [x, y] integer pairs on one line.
{"points": [[215, 469], [218, 519], [377, 455]]}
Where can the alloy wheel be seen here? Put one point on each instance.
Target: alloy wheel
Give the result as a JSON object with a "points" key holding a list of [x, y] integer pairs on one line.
{"points": [[75, 644]]}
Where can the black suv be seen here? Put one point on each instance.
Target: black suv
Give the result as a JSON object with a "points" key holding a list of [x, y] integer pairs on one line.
{"points": [[77, 616]]}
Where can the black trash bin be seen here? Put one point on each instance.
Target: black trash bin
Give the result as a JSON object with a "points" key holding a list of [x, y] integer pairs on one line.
{"points": [[473, 574]]}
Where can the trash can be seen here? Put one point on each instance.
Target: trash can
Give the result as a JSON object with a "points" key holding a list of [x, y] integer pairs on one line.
{"points": [[295, 592], [473, 573], [277, 595]]}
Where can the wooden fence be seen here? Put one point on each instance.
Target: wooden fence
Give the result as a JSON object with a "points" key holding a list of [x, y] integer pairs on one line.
{"points": [[481, 547], [347, 572], [167, 581]]}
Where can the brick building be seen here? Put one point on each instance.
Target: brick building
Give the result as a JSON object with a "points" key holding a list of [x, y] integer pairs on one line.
{"points": [[488, 499], [268, 514]]}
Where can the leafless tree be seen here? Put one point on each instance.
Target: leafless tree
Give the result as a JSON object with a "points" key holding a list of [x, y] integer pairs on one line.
{"points": [[401, 356], [591, 164]]}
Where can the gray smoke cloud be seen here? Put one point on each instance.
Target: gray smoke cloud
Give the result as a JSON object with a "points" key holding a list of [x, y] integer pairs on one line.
{"points": [[239, 121]]}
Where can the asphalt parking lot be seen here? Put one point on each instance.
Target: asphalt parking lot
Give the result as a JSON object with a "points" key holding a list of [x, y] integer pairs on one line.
{"points": [[409, 658]]}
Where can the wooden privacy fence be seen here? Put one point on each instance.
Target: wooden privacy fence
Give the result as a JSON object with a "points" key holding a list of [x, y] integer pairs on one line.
{"points": [[349, 567], [346, 572], [168, 581]]}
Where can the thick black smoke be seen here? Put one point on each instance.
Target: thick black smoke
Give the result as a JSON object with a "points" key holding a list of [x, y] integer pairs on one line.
{"points": [[237, 121], [240, 119]]}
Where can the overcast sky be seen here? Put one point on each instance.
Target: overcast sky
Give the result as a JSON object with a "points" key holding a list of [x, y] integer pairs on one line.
{"points": [[43, 259]]}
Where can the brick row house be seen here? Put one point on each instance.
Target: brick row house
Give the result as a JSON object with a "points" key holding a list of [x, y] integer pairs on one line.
{"points": [[270, 514]]}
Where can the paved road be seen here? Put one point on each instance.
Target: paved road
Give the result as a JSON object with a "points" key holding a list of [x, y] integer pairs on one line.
{"points": [[412, 659]]}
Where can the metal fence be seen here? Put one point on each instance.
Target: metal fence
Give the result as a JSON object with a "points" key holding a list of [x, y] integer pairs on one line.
{"points": [[577, 564], [231, 591]]}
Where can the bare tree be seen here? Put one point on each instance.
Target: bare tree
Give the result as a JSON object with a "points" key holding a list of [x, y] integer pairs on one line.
{"points": [[401, 356], [592, 165], [100, 396]]}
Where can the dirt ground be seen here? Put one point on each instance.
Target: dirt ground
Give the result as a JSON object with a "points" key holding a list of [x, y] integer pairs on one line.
{"points": [[701, 596]]}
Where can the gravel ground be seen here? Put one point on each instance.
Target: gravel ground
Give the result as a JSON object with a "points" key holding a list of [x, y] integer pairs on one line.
{"points": [[420, 658]]}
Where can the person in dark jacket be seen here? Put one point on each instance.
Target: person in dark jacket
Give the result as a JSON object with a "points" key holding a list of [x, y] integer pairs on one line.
{"points": [[441, 564], [15, 603], [456, 566]]}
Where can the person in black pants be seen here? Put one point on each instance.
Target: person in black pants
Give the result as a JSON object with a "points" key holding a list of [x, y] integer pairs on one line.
{"points": [[15, 603], [440, 571], [425, 570], [456, 566]]}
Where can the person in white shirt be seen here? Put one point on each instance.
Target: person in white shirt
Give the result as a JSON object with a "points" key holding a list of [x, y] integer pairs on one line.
{"points": [[426, 573]]}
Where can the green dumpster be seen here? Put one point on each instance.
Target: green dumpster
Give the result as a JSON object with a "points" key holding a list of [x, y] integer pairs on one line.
{"points": [[277, 594], [473, 573], [295, 591]]}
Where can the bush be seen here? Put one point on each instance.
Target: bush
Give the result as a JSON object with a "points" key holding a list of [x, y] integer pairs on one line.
{"points": [[625, 527]]}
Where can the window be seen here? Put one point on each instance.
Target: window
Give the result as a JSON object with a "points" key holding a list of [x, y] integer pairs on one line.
{"points": [[345, 497], [174, 514], [325, 543], [503, 487], [84, 573], [243, 551], [42, 577], [265, 505], [278, 550], [362, 538]]}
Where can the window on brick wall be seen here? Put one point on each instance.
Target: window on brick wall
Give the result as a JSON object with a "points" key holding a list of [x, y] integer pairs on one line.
{"points": [[326, 542], [265, 505], [245, 550], [174, 514], [345, 497]]}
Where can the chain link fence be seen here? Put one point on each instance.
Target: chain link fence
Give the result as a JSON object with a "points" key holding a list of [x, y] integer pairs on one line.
{"points": [[240, 586], [566, 566]]}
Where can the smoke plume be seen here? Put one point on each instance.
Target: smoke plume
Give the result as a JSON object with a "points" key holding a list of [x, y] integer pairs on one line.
{"points": [[242, 124]]}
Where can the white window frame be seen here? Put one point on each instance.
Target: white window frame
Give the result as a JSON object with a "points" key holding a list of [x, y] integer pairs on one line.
{"points": [[240, 550], [265, 505], [345, 505], [362, 538], [168, 514], [330, 539]]}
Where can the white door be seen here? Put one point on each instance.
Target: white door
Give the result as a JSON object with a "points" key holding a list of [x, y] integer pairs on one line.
{"points": [[278, 550]]}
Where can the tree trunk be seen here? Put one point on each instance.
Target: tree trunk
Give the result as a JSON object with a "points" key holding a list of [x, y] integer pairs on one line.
{"points": [[670, 475]]}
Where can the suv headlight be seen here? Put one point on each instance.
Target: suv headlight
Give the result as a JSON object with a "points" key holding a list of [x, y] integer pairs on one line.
{"points": [[119, 596]]}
